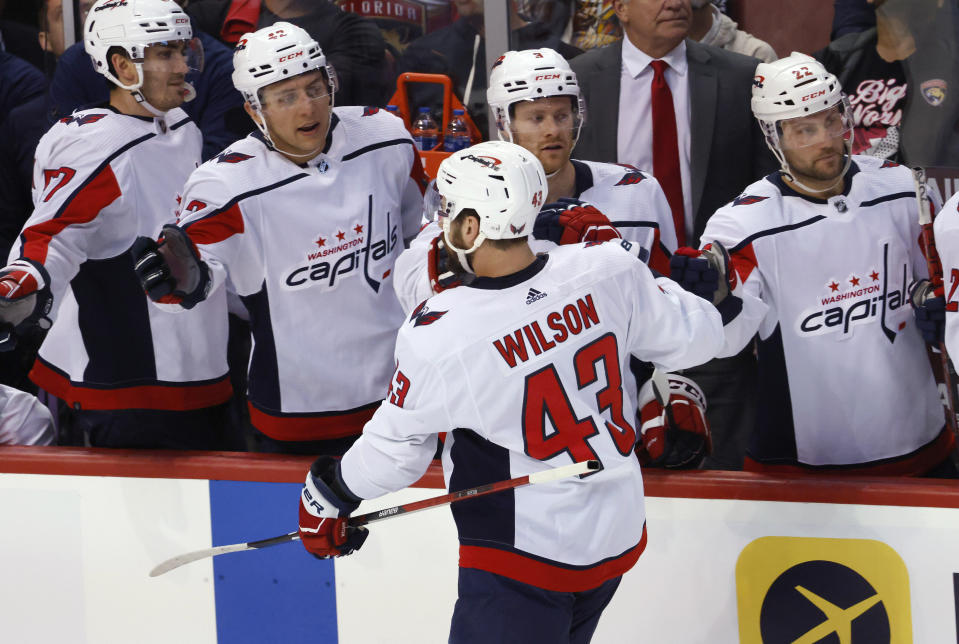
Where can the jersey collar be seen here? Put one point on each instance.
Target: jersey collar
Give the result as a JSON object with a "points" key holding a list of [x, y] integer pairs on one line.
{"points": [[776, 178], [506, 281], [584, 178]]}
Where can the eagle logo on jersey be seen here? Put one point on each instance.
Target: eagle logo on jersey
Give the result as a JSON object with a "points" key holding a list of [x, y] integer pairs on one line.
{"points": [[748, 200], [631, 178], [232, 157], [422, 316], [82, 119], [370, 111], [888, 164]]}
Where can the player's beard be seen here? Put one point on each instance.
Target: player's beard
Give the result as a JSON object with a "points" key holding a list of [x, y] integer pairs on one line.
{"points": [[826, 167]]}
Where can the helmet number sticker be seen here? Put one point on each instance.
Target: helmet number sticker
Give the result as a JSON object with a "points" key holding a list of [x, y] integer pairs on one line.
{"points": [[802, 72], [273, 35]]}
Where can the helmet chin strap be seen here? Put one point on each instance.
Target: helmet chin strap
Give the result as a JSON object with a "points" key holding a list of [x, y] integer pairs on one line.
{"points": [[265, 130], [462, 255]]}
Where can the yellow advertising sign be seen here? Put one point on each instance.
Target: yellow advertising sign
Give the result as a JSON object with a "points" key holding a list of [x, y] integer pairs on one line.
{"points": [[800, 590]]}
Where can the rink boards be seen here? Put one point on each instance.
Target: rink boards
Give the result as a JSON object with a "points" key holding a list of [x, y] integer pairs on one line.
{"points": [[722, 564]]}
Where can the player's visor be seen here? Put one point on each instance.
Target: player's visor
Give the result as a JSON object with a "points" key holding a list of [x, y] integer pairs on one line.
{"points": [[539, 117], [816, 129], [433, 203], [174, 57], [284, 99]]}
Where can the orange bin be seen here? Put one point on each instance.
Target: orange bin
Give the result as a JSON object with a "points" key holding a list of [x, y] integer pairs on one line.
{"points": [[431, 158]]}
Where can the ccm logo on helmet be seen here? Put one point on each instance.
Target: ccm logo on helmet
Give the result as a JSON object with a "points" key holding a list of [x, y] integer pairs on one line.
{"points": [[547, 77], [813, 95], [297, 55]]}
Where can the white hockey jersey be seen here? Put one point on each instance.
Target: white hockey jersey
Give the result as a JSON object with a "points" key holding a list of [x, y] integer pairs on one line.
{"points": [[844, 379], [101, 179], [632, 199], [946, 227], [310, 249], [528, 372]]}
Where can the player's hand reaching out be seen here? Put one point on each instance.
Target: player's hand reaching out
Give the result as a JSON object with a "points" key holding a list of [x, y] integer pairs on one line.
{"points": [[706, 273], [323, 525], [25, 301], [171, 271], [571, 221], [929, 304]]}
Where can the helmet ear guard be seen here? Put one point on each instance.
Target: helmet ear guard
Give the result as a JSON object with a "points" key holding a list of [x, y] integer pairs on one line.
{"points": [[501, 182]]}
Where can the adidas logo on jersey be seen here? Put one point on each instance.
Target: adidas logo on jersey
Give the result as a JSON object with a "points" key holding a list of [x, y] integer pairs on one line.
{"points": [[534, 295]]}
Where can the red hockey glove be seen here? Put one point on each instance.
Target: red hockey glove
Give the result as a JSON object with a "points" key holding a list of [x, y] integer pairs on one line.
{"points": [[679, 440], [929, 304], [571, 221], [25, 301], [706, 273], [444, 271], [171, 271], [323, 527]]}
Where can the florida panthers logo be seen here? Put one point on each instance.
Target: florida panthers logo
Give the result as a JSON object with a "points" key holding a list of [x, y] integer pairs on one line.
{"points": [[748, 200], [232, 157], [82, 119], [422, 316], [630, 178]]}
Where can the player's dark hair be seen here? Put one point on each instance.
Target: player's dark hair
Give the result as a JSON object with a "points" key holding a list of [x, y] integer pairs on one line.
{"points": [[114, 50]]}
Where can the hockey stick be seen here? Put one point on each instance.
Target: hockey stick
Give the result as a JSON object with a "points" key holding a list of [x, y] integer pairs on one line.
{"points": [[935, 273], [536, 478]]}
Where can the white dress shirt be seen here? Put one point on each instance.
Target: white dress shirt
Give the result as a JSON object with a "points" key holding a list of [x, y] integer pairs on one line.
{"points": [[634, 133]]}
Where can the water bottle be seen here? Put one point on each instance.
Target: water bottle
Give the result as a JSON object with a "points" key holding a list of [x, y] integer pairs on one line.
{"points": [[426, 133], [392, 109], [457, 135]]}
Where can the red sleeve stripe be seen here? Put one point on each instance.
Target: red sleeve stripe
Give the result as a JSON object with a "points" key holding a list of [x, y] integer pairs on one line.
{"points": [[548, 576], [82, 207], [214, 228], [743, 261], [417, 173]]}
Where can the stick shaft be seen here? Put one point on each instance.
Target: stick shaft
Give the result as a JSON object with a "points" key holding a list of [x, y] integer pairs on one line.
{"points": [[536, 478]]}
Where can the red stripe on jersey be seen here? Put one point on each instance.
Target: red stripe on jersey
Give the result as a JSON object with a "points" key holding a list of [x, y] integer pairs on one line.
{"points": [[547, 576], [169, 397], [82, 207], [310, 427], [915, 463], [659, 255], [218, 227], [417, 174], [743, 261]]}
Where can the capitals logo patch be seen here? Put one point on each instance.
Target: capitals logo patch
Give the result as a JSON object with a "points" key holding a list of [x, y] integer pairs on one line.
{"points": [[82, 119], [422, 316], [370, 111], [888, 164], [748, 200], [934, 91], [232, 157], [630, 178]]}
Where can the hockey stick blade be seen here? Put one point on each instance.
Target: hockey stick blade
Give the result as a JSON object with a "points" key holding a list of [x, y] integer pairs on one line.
{"points": [[537, 478]]}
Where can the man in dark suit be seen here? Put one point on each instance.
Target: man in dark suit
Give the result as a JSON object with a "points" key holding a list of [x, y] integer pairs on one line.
{"points": [[720, 152]]}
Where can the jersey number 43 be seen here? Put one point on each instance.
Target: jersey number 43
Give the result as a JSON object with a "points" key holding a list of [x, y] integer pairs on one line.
{"points": [[546, 398]]}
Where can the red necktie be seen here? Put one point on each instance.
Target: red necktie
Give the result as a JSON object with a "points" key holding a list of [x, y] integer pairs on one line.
{"points": [[666, 148]]}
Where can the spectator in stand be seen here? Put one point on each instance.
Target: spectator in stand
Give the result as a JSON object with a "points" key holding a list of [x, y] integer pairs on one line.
{"points": [[897, 76], [711, 27], [851, 17], [352, 44], [19, 82], [459, 51], [658, 101]]}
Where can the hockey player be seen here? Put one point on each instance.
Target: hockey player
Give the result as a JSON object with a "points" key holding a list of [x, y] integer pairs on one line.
{"points": [[821, 256], [130, 374], [524, 368], [303, 221], [536, 100]]}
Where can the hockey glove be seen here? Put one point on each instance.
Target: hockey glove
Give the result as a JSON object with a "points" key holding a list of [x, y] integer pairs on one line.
{"points": [[679, 438], [571, 221], [171, 271], [706, 273], [929, 305], [444, 271], [25, 301], [323, 528]]}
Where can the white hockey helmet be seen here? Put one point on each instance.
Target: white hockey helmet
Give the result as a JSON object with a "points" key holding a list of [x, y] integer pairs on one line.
{"points": [[273, 54], [134, 25], [526, 76], [793, 87], [503, 183]]}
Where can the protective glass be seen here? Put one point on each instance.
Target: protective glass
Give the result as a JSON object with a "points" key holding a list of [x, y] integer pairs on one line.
{"points": [[824, 126], [174, 57], [285, 100]]}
